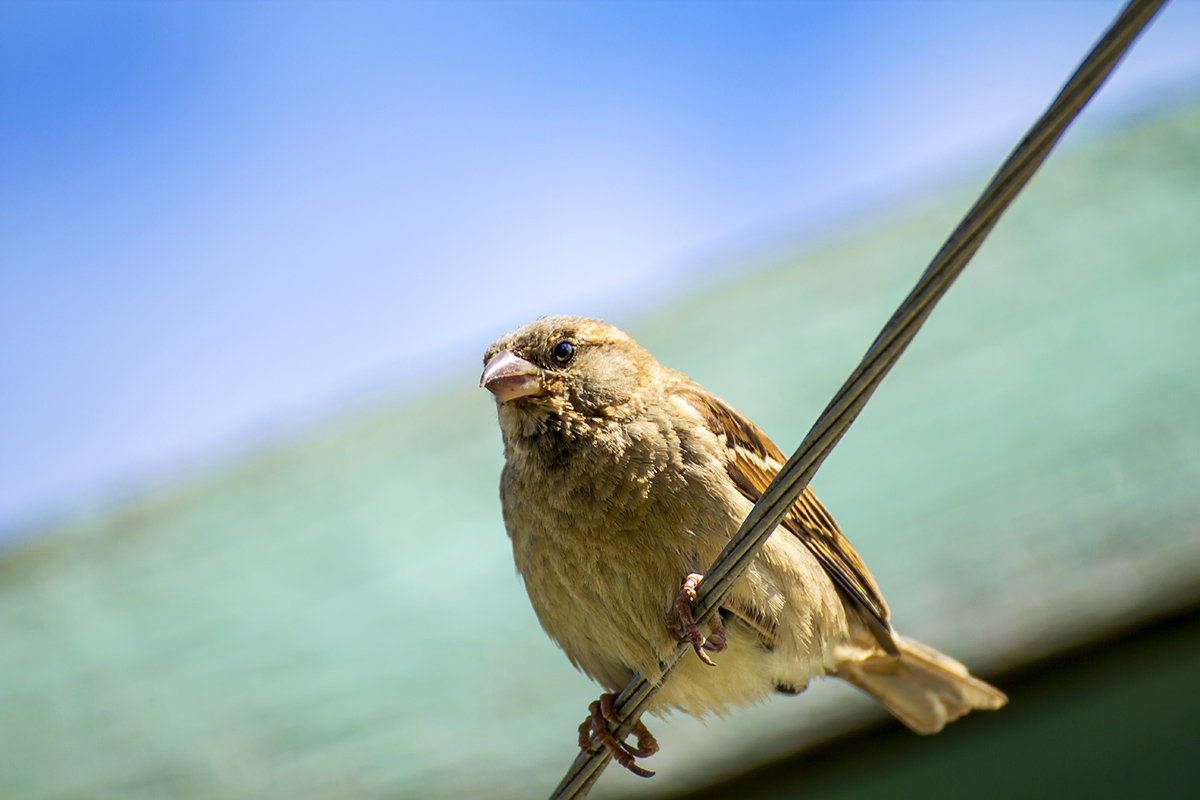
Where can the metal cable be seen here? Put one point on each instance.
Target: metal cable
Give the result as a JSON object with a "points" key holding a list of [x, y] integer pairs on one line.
{"points": [[896, 335]]}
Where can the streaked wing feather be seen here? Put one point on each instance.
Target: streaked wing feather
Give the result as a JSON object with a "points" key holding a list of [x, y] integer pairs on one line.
{"points": [[753, 461]]}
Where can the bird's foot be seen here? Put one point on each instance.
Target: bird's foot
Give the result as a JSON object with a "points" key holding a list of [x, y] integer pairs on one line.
{"points": [[681, 619], [601, 712]]}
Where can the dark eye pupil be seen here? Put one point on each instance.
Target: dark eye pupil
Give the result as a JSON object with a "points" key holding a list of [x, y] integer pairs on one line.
{"points": [[563, 352]]}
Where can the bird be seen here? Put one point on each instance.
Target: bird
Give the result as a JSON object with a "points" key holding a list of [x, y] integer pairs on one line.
{"points": [[622, 481]]}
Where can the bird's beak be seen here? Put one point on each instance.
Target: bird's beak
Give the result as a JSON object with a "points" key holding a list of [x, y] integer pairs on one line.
{"points": [[509, 376]]}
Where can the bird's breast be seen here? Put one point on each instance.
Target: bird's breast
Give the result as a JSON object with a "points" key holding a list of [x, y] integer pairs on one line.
{"points": [[602, 537]]}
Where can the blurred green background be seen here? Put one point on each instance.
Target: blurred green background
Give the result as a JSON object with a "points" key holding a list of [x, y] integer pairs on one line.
{"points": [[339, 617]]}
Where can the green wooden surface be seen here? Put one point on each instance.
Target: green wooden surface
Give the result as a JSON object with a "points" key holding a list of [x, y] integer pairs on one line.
{"points": [[340, 617], [1115, 719]]}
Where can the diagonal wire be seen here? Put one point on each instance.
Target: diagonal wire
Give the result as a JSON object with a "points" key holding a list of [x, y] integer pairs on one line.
{"points": [[899, 331]]}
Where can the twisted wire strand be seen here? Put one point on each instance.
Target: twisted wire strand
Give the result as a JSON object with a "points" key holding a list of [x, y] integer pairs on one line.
{"points": [[896, 335]]}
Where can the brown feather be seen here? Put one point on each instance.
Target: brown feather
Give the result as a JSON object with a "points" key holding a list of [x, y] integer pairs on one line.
{"points": [[753, 462], [753, 618]]}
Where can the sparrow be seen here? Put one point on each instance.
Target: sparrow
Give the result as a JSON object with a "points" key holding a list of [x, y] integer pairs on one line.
{"points": [[622, 480]]}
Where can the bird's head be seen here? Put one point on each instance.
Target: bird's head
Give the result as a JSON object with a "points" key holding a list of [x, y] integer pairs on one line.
{"points": [[566, 366]]}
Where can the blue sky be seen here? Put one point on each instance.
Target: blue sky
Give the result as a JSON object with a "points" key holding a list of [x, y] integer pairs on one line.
{"points": [[219, 218]]}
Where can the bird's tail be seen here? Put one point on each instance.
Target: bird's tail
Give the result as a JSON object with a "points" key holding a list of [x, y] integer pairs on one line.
{"points": [[923, 688]]}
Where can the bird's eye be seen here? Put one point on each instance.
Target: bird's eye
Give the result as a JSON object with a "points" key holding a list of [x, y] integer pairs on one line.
{"points": [[563, 352]]}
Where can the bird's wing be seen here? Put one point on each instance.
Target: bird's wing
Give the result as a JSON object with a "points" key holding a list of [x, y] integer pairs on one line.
{"points": [[753, 461]]}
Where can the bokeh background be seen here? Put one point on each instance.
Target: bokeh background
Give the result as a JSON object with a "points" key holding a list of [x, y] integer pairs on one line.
{"points": [[250, 254]]}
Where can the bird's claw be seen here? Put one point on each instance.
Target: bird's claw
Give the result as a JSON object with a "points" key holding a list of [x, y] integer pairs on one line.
{"points": [[681, 619], [600, 713]]}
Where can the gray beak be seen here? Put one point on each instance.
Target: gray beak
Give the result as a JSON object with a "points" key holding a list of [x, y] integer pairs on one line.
{"points": [[509, 376]]}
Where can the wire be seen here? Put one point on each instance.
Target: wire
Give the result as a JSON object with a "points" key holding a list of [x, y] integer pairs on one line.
{"points": [[896, 335]]}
